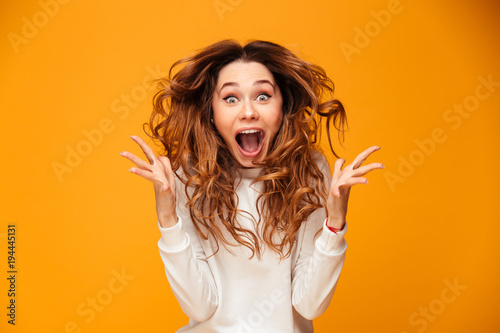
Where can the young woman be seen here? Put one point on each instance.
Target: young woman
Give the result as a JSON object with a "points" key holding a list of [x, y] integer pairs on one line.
{"points": [[252, 225]]}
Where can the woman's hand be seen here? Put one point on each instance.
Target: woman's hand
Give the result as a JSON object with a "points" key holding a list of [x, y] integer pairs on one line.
{"points": [[342, 180], [159, 172]]}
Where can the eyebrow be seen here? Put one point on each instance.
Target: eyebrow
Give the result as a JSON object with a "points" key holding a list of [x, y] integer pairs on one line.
{"points": [[234, 84]]}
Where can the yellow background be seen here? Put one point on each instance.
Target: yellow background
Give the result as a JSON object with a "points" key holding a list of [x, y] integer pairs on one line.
{"points": [[438, 223]]}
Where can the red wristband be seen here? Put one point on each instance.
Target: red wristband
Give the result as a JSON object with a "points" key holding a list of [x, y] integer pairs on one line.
{"points": [[335, 230]]}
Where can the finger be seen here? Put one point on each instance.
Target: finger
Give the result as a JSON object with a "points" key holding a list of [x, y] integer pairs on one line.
{"points": [[149, 176], [355, 180], [363, 170], [363, 156], [145, 148], [345, 189], [347, 184], [136, 160], [337, 169]]}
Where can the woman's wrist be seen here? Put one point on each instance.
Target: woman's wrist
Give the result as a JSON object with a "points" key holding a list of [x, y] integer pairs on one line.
{"points": [[335, 224], [168, 221]]}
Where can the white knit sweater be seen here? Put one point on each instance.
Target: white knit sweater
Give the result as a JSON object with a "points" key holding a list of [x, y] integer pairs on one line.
{"points": [[228, 292]]}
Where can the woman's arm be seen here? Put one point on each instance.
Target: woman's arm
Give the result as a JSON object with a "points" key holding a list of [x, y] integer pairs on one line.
{"points": [[320, 260], [185, 262], [188, 272], [318, 266]]}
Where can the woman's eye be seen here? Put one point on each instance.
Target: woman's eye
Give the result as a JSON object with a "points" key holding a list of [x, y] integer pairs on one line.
{"points": [[231, 99], [263, 97]]}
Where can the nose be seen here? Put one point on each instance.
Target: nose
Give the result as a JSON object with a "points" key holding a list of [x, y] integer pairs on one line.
{"points": [[248, 112]]}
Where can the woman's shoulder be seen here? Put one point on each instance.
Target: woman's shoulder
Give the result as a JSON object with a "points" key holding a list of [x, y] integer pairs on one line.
{"points": [[320, 160], [185, 169]]}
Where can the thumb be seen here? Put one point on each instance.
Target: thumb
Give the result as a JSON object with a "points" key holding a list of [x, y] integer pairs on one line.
{"points": [[167, 168], [335, 190], [164, 161]]}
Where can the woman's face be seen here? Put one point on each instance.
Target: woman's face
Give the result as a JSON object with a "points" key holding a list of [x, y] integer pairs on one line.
{"points": [[247, 106]]}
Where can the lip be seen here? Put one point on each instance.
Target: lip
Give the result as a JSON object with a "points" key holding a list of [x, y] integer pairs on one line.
{"points": [[257, 152]]}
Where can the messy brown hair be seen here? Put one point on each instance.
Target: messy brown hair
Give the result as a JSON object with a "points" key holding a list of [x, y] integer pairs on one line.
{"points": [[293, 185]]}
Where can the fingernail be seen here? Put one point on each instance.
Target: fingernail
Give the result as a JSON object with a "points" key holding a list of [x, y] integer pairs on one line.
{"points": [[121, 153], [383, 166], [377, 148], [130, 169], [132, 137]]}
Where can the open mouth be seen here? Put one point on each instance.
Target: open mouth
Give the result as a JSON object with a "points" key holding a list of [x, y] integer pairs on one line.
{"points": [[250, 142]]}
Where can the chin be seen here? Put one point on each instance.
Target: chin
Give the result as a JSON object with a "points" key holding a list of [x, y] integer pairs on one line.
{"points": [[247, 162], [248, 165]]}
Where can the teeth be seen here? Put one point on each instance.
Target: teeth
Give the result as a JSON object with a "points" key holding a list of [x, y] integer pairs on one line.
{"points": [[250, 131]]}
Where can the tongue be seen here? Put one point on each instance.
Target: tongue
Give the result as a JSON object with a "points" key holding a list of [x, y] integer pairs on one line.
{"points": [[248, 142]]}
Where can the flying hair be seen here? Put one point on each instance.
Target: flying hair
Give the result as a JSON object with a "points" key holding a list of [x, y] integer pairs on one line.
{"points": [[293, 186]]}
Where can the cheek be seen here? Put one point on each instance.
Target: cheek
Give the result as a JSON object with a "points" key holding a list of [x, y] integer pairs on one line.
{"points": [[278, 118], [217, 117], [222, 125], [277, 123]]}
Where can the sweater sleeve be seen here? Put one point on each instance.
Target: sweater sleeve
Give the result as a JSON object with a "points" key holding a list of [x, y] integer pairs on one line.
{"points": [[187, 270], [318, 264]]}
